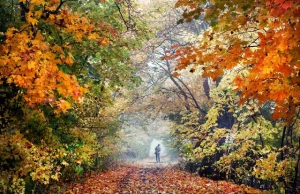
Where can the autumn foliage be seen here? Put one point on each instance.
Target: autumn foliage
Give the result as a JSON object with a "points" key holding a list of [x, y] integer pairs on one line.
{"points": [[31, 59], [259, 40], [59, 65], [64, 67], [251, 50]]}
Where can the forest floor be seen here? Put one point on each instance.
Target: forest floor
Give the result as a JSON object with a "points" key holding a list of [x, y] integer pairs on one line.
{"points": [[147, 177]]}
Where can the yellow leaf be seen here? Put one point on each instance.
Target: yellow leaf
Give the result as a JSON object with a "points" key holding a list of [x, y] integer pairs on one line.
{"points": [[79, 161], [93, 36], [103, 42], [31, 64], [55, 177], [16, 59], [78, 36], [52, 16], [10, 32], [9, 80], [39, 36], [37, 2], [31, 20], [57, 48], [38, 13], [65, 163]]}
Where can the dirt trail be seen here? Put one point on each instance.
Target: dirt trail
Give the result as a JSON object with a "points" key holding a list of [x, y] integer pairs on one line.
{"points": [[151, 163], [148, 177]]}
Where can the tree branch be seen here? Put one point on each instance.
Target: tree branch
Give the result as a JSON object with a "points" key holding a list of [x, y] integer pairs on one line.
{"points": [[122, 17]]}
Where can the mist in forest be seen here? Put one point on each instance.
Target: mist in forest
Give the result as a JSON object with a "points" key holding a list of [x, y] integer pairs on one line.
{"points": [[143, 135]]}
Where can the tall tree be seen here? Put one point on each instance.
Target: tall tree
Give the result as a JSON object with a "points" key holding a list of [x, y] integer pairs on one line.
{"points": [[161, 90], [62, 67], [254, 44], [259, 38]]}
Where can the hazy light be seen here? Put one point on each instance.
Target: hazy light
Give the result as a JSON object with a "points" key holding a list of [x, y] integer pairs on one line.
{"points": [[154, 143]]}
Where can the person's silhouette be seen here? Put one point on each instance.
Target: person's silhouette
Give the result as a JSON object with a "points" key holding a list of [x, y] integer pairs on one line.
{"points": [[157, 153]]}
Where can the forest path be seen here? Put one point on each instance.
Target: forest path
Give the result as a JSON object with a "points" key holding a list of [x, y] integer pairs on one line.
{"points": [[147, 177], [150, 162]]}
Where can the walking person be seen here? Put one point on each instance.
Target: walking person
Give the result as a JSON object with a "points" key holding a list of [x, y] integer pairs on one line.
{"points": [[157, 153]]}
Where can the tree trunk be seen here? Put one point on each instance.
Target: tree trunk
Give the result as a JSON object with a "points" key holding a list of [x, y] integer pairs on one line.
{"points": [[226, 120]]}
